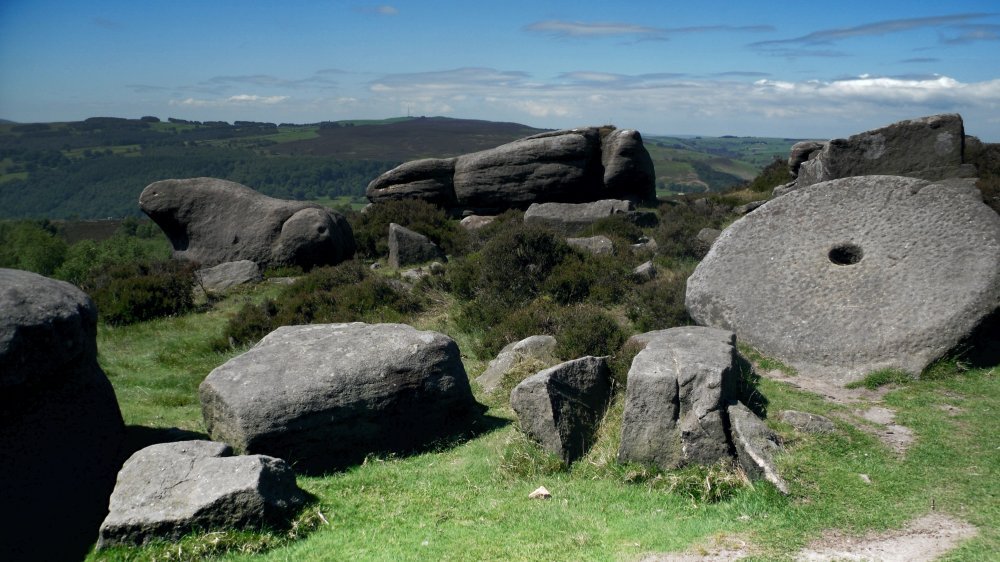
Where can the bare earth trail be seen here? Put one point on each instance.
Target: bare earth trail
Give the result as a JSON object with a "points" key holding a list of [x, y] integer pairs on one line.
{"points": [[923, 540]]}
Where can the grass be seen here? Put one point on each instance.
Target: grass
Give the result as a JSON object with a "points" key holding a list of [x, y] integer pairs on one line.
{"points": [[469, 500]]}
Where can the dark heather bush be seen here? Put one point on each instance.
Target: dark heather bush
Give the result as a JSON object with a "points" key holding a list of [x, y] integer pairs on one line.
{"points": [[986, 158], [586, 330], [371, 228], [616, 226], [516, 262], [129, 293], [344, 293], [659, 304], [680, 222], [774, 174]]}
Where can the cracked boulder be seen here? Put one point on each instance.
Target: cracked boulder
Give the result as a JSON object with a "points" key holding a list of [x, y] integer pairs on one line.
{"points": [[168, 490], [756, 446], [324, 396], [562, 406], [407, 247], [842, 278], [676, 397]]}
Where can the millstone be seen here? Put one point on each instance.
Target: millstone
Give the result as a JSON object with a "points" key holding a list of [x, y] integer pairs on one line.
{"points": [[854, 275]]}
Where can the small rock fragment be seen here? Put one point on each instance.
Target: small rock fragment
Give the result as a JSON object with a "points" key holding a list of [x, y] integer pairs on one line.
{"points": [[540, 494]]}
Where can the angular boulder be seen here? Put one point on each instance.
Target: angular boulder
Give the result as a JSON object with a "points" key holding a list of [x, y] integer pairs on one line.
{"points": [[562, 406], [538, 348], [212, 221], [755, 446], [806, 422], [572, 218], [930, 148], [644, 272], [676, 396], [323, 396], [225, 276], [854, 275], [575, 165], [407, 247], [168, 490], [60, 427], [597, 245]]}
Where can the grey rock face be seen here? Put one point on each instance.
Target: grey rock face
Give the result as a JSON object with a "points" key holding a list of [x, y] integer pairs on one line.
{"points": [[571, 218], [541, 348], [60, 427], [705, 238], [755, 445], [557, 166], [676, 397], [429, 179], [227, 275], [212, 221], [854, 275], [475, 222], [928, 148], [325, 395], [597, 245], [645, 272], [800, 152], [407, 247], [165, 491], [804, 421], [562, 406], [628, 168], [584, 164]]}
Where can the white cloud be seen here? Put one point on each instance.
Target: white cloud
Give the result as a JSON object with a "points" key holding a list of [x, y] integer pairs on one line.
{"points": [[237, 100]]}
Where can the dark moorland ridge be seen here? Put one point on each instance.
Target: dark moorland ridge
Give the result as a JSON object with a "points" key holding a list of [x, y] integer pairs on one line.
{"points": [[96, 168]]}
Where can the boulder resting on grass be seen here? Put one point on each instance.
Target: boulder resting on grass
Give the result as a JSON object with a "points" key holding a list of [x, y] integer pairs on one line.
{"points": [[324, 396]]}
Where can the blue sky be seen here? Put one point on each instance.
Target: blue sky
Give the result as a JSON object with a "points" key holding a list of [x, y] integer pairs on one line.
{"points": [[798, 69]]}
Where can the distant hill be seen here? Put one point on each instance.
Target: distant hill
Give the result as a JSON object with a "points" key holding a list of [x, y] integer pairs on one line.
{"points": [[409, 139], [96, 168]]}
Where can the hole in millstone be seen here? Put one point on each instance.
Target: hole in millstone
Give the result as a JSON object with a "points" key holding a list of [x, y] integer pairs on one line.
{"points": [[846, 254]]}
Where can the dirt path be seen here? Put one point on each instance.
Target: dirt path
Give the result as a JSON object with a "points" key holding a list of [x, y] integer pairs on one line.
{"points": [[923, 540]]}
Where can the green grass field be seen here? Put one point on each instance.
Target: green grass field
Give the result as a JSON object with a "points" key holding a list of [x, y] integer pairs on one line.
{"points": [[468, 500]]}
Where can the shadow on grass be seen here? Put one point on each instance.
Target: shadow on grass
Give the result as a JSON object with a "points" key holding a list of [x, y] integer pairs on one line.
{"points": [[139, 437]]}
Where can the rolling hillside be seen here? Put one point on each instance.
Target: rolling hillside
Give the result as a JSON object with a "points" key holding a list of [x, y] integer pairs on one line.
{"points": [[96, 168]]}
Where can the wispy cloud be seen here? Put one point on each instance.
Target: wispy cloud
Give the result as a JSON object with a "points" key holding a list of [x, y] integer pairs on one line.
{"points": [[919, 60], [237, 100], [107, 23], [830, 36], [381, 10], [973, 33], [577, 29], [741, 74]]}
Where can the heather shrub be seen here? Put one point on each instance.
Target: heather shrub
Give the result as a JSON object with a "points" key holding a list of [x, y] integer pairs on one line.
{"points": [[517, 260], [615, 226], [344, 293], [31, 246], [130, 293], [586, 330], [659, 304], [774, 174], [371, 228], [680, 222]]}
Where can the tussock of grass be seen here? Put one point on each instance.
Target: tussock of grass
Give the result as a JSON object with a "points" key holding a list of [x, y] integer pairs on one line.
{"points": [[882, 377], [765, 363]]}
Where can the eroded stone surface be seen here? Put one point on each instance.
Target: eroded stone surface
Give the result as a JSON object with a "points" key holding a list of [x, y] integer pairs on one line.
{"points": [[846, 277]]}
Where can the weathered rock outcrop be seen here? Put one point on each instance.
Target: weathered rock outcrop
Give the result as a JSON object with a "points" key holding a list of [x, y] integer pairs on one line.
{"points": [[407, 247], [224, 276], [571, 218], [678, 389], [597, 245], [536, 348], [212, 221], [324, 396], [930, 148], [165, 491], [576, 165], [60, 426], [755, 446], [846, 277], [562, 406]]}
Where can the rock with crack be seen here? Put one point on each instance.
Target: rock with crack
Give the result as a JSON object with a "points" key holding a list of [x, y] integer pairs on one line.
{"points": [[755, 445], [675, 400], [891, 273], [534, 348], [930, 148], [212, 221], [60, 427], [323, 396], [168, 490], [572, 218], [562, 406], [407, 247], [573, 165]]}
